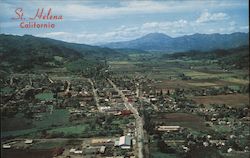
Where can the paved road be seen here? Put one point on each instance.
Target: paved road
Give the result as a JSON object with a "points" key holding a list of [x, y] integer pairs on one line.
{"points": [[148, 101], [139, 120], [68, 86], [95, 95]]}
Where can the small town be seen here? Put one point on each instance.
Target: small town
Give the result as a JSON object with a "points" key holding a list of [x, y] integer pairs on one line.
{"points": [[116, 117], [124, 79]]}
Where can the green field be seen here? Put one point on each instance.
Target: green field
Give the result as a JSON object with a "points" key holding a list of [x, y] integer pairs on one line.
{"points": [[49, 144], [77, 129], [47, 96], [6, 90], [57, 118]]}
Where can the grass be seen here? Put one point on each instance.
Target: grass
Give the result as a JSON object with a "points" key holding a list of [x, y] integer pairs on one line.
{"points": [[236, 80], [15, 123], [6, 90], [221, 128], [80, 65], [47, 96], [49, 144], [236, 155], [18, 132], [78, 129], [58, 118]]}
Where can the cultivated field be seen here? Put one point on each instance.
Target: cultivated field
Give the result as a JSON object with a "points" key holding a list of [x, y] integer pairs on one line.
{"points": [[182, 119], [231, 99]]}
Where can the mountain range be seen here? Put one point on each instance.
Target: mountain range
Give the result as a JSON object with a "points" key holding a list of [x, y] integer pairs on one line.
{"points": [[24, 52], [203, 42]]}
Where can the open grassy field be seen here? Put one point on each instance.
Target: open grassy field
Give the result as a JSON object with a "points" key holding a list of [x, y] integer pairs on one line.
{"points": [[22, 126], [15, 123], [47, 96], [77, 129], [49, 144], [156, 153], [236, 155], [236, 80], [232, 99], [221, 128], [6, 90], [58, 117]]}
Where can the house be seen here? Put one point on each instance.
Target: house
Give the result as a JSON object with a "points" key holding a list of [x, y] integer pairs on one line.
{"points": [[102, 149], [127, 93], [125, 142], [75, 151], [153, 100], [6, 146], [168, 128], [126, 112], [101, 142], [28, 141]]}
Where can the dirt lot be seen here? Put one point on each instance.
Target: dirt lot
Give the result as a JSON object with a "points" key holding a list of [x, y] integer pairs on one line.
{"points": [[31, 153], [182, 119], [232, 99]]}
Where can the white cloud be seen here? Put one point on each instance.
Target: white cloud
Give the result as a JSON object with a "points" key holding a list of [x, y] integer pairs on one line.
{"points": [[244, 28], [82, 10], [166, 25], [211, 17], [122, 33]]}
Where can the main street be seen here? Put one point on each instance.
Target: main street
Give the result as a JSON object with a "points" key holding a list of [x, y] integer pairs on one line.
{"points": [[139, 120], [95, 95]]}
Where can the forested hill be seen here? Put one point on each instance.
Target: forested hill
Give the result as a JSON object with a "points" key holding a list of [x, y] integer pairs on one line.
{"points": [[26, 52], [31, 42], [236, 57]]}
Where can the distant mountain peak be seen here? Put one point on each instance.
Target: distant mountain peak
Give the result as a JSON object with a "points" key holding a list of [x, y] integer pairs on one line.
{"points": [[156, 35], [152, 37]]}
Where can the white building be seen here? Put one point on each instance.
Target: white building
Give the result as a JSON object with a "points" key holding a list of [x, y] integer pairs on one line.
{"points": [[168, 128], [28, 141], [125, 142]]}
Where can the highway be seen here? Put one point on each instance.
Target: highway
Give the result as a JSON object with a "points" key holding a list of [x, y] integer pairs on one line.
{"points": [[139, 120]]}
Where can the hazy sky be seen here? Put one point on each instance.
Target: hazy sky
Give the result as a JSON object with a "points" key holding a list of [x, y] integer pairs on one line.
{"points": [[100, 21]]}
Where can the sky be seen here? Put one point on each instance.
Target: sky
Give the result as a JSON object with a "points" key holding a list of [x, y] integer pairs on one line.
{"points": [[99, 21]]}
